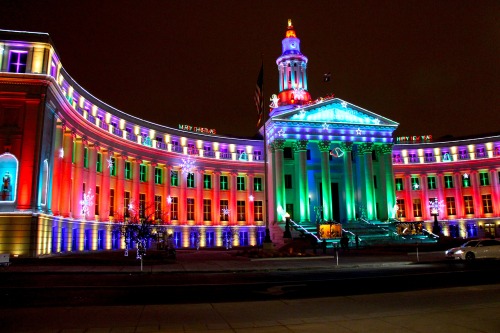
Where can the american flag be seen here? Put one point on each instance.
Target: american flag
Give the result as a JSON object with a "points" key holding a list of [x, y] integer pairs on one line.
{"points": [[259, 95]]}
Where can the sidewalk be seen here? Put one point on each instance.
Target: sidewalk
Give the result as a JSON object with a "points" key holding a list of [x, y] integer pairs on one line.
{"points": [[207, 261]]}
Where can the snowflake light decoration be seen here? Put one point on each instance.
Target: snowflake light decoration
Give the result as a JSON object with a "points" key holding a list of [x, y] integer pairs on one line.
{"points": [[61, 153], [225, 211], [281, 132], [88, 200], [436, 206], [299, 93], [250, 197], [187, 165], [110, 162], [169, 200], [376, 121], [325, 125]]}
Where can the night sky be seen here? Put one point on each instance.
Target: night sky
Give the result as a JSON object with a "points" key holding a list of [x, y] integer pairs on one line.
{"points": [[431, 66]]}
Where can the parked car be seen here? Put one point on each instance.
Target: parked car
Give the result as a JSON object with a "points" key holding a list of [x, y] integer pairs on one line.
{"points": [[475, 249]]}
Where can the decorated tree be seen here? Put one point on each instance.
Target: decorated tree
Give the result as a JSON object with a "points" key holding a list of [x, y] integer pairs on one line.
{"points": [[140, 225]]}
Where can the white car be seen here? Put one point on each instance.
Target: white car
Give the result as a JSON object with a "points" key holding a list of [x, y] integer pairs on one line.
{"points": [[475, 249]]}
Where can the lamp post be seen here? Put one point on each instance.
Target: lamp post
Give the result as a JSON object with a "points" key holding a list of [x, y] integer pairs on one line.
{"points": [[287, 233], [436, 207]]}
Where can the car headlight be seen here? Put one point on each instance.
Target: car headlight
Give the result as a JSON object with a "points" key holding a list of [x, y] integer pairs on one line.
{"points": [[459, 252]]}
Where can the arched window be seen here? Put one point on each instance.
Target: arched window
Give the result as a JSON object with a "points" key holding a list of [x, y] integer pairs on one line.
{"points": [[9, 167], [44, 184]]}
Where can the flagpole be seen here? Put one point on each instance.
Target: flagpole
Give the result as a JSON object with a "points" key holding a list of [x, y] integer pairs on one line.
{"points": [[267, 239]]}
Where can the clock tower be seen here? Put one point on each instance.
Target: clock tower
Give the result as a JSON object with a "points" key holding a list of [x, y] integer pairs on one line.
{"points": [[292, 65]]}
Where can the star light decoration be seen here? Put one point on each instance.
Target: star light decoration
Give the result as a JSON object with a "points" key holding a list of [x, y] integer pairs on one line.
{"points": [[358, 131], [281, 132], [86, 202], [250, 197], [325, 125], [61, 153], [466, 175], [416, 186], [344, 104], [187, 165], [169, 200], [436, 206]]}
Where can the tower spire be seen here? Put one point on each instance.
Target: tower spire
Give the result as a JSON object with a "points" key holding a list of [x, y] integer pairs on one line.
{"points": [[292, 65]]}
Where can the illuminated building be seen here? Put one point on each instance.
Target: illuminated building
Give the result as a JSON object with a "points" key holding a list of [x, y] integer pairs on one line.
{"points": [[71, 164]]}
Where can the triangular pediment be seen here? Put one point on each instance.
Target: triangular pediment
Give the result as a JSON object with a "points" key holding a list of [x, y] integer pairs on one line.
{"points": [[332, 111]]}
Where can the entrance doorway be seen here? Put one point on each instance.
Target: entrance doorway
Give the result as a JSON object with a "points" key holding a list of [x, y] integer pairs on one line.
{"points": [[335, 208]]}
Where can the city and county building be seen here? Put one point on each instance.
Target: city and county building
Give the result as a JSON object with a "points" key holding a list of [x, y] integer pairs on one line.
{"points": [[73, 167]]}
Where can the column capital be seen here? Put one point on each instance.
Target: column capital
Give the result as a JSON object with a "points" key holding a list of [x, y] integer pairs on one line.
{"points": [[278, 144], [300, 145], [346, 146], [324, 145], [386, 148], [365, 148]]}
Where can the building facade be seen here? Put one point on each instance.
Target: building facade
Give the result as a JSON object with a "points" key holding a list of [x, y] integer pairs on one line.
{"points": [[72, 166]]}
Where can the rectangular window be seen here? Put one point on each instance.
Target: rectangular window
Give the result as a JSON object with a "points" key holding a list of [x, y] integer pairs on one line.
{"points": [[257, 184], [17, 61], [450, 206], [99, 162], [143, 173], [487, 207], [431, 183], [190, 209], [128, 170], [112, 167], [429, 157], [111, 202], [401, 208], [413, 158], [480, 152], [224, 210], [257, 155], [445, 156], [396, 158], [399, 184], [158, 176], [468, 204], [158, 212], [174, 178], [142, 205], [207, 182], [417, 208], [465, 180], [126, 203], [448, 181], [288, 153], [415, 183], [86, 158], [288, 181], [207, 210], [374, 181], [174, 208], [308, 154], [240, 183], [240, 208], [258, 211], [190, 180], [96, 201], [484, 179], [223, 183], [462, 154]]}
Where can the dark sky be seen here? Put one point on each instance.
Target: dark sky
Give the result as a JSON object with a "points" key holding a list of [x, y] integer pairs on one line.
{"points": [[432, 66]]}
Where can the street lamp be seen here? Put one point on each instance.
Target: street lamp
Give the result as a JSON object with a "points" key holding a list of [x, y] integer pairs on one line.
{"points": [[287, 233]]}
